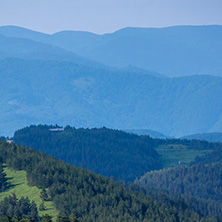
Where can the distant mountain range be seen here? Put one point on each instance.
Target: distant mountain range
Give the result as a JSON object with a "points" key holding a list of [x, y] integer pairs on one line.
{"points": [[174, 51], [29, 49], [45, 81], [35, 91]]}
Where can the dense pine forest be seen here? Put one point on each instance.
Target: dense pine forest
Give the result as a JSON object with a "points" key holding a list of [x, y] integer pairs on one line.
{"points": [[84, 196], [111, 153], [200, 185], [12, 209], [104, 151]]}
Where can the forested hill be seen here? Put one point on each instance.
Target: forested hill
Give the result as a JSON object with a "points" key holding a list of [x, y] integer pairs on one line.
{"points": [[90, 197], [109, 152], [104, 151], [200, 185]]}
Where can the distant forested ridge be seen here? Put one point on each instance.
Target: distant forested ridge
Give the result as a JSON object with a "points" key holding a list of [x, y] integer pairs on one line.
{"points": [[104, 151], [200, 185], [90, 197]]}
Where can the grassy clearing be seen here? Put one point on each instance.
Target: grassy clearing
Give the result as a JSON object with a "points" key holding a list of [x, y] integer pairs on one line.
{"points": [[171, 154], [19, 186]]}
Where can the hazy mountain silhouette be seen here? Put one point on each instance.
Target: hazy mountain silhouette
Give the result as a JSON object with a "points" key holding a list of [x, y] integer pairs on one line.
{"points": [[35, 91], [30, 49], [175, 51]]}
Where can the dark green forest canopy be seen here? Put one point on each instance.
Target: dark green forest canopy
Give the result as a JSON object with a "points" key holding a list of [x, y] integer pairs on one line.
{"points": [[201, 185], [12, 209], [108, 152], [104, 151], [89, 196]]}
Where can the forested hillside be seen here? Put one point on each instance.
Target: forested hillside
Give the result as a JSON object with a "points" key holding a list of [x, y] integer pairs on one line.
{"points": [[112, 153], [200, 185], [90, 197], [104, 151], [12, 209]]}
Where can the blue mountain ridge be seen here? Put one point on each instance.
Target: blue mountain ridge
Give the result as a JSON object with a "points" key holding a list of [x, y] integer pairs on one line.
{"points": [[38, 91], [174, 51]]}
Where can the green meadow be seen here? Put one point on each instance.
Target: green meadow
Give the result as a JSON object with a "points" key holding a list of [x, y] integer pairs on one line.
{"points": [[19, 185], [171, 154]]}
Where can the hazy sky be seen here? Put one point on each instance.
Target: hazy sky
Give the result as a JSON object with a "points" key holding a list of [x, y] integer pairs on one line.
{"points": [[101, 16]]}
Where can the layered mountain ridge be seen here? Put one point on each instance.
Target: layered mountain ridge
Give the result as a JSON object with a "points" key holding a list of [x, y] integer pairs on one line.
{"points": [[174, 51], [52, 92], [44, 81]]}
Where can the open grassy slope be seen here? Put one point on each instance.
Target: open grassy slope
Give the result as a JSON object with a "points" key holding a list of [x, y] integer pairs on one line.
{"points": [[171, 154], [19, 186]]}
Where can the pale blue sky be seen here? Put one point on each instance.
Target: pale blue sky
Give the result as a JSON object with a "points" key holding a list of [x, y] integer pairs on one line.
{"points": [[102, 16]]}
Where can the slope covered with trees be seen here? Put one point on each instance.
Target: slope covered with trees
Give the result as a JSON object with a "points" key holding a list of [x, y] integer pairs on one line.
{"points": [[111, 152], [12, 209], [88, 196], [104, 151], [200, 185]]}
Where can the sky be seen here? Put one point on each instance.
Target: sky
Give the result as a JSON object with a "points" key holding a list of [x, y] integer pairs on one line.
{"points": [[105, 16]]}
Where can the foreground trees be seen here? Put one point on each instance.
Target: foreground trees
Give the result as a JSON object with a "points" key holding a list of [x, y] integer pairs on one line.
{"points": [[90, 197], [13, 209], [3, 180]]}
